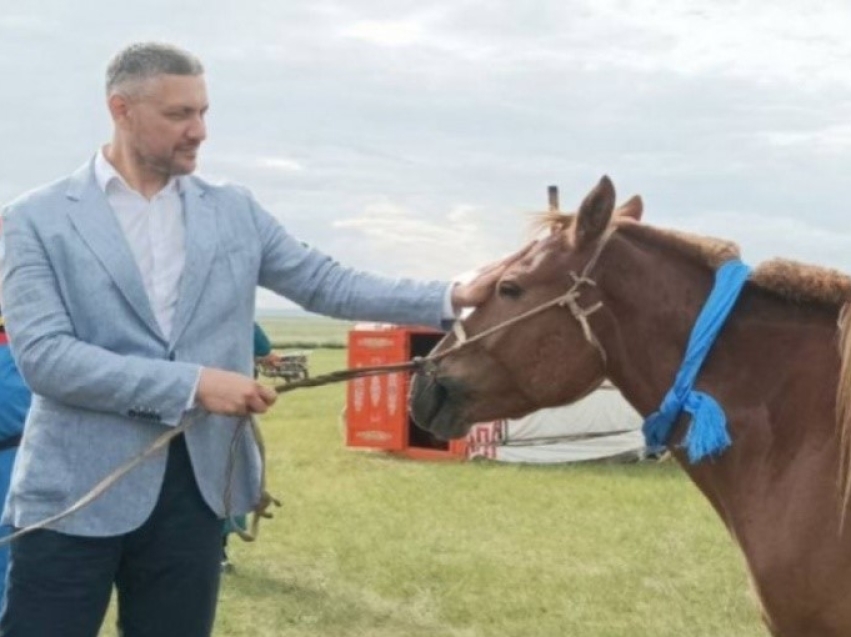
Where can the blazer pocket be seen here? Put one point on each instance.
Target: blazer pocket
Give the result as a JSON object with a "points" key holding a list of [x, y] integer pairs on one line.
{"points": [[45, 438]]}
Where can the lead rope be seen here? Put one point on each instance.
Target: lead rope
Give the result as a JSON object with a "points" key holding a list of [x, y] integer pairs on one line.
{"points": [[101, 487], [261, 510]]}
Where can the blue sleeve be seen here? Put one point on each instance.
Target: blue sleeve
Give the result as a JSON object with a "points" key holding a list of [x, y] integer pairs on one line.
{"points": [[262, 345], [14, 396]]}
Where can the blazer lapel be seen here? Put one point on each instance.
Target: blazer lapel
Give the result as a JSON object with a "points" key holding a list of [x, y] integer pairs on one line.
{"points": [[201, 241], [96, 224]]}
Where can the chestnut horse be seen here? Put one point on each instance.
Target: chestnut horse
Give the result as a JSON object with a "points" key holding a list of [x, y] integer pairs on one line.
{"points": [[775, 369]]}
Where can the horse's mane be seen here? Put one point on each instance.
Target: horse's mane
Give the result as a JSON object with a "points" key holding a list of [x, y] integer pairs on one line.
{"points": [[796, 282], [790, 280]]}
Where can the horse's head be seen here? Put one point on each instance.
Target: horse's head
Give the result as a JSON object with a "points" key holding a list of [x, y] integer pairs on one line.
{"points": [[548, 358]]}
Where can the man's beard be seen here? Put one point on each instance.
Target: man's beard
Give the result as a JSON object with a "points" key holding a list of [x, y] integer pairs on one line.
{"points": [[167, 166]]}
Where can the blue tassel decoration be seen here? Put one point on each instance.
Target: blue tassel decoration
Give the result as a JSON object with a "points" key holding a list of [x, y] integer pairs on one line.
{"points": [[707, 434]]}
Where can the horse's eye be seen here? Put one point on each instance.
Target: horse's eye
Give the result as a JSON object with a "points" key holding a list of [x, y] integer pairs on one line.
{"points": [[509, 289]]}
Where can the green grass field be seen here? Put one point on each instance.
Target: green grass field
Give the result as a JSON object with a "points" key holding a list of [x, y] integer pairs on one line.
{"points": [[373, 546], [299, 332]]}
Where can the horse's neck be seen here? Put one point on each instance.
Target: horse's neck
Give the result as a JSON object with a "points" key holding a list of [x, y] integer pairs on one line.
{"points": [[765, 342], [652, 307], [767, 351], [773, 369]]}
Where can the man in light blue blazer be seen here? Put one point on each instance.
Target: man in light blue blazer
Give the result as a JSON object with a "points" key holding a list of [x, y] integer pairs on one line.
{"points": [[129, 292]]}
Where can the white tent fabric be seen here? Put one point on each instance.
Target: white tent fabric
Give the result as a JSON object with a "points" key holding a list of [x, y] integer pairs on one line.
{"points": [[601, 425]]}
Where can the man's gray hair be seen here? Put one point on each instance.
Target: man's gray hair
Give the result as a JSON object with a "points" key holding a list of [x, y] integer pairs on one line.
{"points": [[144, 60]]}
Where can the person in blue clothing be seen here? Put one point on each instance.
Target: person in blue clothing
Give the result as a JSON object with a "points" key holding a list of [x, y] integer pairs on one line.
{"points": [[262, 353], [262, 344], [14, 404]]}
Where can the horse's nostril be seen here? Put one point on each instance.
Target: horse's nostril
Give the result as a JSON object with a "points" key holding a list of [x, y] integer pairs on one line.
{"points": [[427, 397]]}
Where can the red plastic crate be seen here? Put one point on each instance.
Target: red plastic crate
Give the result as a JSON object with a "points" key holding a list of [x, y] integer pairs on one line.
{"points": [[376, 407]]}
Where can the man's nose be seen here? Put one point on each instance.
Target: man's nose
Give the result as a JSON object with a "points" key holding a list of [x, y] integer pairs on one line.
{"points": [[197, 130]]}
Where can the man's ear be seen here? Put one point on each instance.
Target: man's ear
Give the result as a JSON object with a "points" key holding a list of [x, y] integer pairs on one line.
{"points": [[119, 107]]}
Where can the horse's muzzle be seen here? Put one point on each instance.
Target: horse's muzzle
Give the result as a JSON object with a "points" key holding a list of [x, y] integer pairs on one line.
{"points": [[436, 405]]}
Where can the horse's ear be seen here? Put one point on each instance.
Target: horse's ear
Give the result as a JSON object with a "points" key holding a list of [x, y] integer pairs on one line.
{"points": [[631, 208], [595, 211]]}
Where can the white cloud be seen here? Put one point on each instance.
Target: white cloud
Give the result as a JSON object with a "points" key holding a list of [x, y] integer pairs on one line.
{"points": [[833, 140], [284, 164], [762, 237], [439, 246], [462, 214], [441, 124], [780, 41], [19, 24], [220, 161], [390, 33]]}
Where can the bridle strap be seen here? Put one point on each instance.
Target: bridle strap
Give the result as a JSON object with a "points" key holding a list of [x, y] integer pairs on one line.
{"points": [[458, 331], [569, 300], [581, 315]]}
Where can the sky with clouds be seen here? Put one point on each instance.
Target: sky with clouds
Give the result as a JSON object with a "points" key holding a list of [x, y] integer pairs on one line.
{"points": [[414, 138]]}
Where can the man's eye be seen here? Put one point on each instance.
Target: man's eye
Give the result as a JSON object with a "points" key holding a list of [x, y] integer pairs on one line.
{"points": [[509, 289]]}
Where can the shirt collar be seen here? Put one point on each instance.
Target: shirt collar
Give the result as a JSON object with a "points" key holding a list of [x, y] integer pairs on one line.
{"points": [[106, 175]]}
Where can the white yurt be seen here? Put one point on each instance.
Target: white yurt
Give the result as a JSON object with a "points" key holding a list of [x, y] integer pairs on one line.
{"points": [[603, 425]]}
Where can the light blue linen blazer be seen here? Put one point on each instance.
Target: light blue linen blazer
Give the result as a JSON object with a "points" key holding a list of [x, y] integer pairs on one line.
{"points": [[107, 382]]}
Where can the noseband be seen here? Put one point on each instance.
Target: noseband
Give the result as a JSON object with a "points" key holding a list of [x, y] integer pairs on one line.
{"points": [[569, 299]]}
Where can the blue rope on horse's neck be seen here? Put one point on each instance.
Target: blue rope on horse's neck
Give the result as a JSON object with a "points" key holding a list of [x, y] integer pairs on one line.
{"points": [[707, 434]]}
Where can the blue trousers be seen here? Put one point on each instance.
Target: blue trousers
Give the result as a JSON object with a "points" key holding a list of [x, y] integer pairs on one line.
{"points": [[166, 572]]}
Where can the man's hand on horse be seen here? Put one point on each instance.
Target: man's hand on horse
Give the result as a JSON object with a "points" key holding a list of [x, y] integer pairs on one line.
{"points": [[479, 289], [232, 394]]}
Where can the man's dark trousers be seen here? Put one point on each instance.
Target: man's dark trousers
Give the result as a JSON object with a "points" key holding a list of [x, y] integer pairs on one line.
{"points": [[166, 572]]}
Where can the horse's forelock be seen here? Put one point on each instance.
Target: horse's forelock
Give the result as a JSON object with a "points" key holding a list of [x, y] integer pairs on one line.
{"points": [[553, 222]]}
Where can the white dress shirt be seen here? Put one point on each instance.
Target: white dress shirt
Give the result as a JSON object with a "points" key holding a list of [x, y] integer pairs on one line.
{"points": [[154, 230]]}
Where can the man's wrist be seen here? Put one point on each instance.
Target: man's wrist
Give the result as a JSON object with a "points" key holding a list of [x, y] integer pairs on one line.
{"points": [[451, 309], [191, 404]]}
